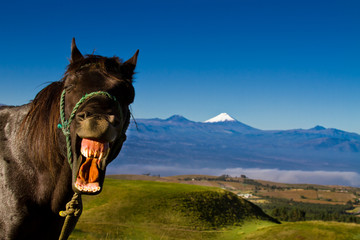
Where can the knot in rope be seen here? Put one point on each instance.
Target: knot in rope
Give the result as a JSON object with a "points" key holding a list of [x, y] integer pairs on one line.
{"points": [[64, 127], [72, 214], [74, 207]]}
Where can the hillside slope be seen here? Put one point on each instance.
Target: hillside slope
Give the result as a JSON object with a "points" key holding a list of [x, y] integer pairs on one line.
{"points": [[153, 210]]}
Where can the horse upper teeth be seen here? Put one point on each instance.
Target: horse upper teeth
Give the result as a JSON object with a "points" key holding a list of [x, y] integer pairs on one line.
{"points": [[84, 152], [92, 153]]}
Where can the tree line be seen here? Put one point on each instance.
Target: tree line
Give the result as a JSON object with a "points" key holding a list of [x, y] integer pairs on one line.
{"points": [[288, 210]]}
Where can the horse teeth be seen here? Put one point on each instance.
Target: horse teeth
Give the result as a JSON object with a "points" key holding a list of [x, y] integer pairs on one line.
{"points": [[82, 151], [85, 152]]}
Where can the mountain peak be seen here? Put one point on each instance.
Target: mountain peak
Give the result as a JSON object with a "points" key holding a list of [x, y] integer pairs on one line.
{"points": [[222, 117], [177, 118], [318, 128]]}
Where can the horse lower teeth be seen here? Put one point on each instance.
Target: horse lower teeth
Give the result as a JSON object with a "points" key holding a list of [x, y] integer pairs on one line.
{"points": [[87, 188]]}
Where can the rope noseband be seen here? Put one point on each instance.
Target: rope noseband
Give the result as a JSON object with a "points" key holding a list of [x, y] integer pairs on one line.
{"points": [[74, 207], [65, 124]]}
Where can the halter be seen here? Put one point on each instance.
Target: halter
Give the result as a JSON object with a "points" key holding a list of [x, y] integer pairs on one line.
{"points": [[65, 124], [74, 207]]}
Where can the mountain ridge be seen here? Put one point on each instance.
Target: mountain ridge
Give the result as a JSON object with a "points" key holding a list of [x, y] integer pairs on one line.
{"points": [[180, 118], [177, 142]]}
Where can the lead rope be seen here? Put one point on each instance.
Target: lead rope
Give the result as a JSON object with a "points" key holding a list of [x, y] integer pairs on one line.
{"points": [[74, 207], [72, 214]]}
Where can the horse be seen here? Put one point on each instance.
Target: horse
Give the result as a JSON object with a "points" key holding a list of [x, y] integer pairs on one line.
{"points": [[61, 142]]}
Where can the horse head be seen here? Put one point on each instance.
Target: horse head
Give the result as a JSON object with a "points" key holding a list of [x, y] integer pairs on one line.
{"points": [[95, 105]]}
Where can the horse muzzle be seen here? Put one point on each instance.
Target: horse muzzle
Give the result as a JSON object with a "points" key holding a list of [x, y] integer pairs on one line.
{"points": [[95, 137], [102, 128]]}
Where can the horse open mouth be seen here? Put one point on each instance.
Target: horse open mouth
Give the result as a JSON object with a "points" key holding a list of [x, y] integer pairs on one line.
{"points": [[92, 154]]}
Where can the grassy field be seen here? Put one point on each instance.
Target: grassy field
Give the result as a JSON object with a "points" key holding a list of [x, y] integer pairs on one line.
{"points": [[308, 193], [134, 209], [311, 230], [312, 196]]}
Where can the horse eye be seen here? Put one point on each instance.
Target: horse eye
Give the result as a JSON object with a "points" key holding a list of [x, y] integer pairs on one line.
{"points": [[69, 87]]}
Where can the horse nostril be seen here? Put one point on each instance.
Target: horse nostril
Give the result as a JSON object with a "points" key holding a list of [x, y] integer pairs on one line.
{"points": [[113, 120], [82, 115]]}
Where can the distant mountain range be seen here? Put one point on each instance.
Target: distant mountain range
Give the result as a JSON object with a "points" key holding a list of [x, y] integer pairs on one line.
{"points": [[223, 142]]}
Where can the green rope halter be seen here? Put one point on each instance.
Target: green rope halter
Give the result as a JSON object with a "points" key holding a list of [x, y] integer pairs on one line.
{"points": [[74, 207], [65, 124]]}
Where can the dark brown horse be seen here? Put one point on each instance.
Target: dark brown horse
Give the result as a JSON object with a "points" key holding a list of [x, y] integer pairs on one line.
{"points": [[88, 109]]}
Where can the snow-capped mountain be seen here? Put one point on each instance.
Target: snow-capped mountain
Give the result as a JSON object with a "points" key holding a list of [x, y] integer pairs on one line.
{"points": [[180, 142], [222, 117]]}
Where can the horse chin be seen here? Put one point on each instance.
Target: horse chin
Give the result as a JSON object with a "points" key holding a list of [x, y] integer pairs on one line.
{"points": [[90, 172]]}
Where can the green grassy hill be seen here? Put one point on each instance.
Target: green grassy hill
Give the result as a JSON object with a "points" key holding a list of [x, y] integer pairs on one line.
{"points": [[156, 210]]}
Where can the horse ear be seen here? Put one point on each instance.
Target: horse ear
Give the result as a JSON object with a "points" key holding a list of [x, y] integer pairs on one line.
{"points": [[75, 53], [129, 65]]}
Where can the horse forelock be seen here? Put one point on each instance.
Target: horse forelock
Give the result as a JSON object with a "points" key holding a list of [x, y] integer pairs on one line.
{"points": [[111, 66], [40, 127], [88, 62]]}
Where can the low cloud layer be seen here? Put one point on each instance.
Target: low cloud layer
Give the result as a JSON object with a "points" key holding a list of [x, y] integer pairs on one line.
{"points": [[275, 175]]}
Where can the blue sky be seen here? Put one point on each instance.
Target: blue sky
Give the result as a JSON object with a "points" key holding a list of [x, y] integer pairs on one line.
{"points": [[269, 64]]}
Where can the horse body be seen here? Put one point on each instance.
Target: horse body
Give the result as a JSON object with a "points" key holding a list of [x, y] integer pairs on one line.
{"points": [[36, 180], [27, 192]]}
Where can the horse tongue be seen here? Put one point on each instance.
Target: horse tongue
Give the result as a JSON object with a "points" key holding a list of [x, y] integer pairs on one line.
{"points": [[88, 171], [94, 171]]}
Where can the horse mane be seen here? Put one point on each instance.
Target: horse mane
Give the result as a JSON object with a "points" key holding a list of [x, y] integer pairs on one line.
{"points": [[40, 126]]}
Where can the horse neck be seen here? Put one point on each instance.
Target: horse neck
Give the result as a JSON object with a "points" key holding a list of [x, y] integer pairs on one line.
{"points": [[46, 152]]}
